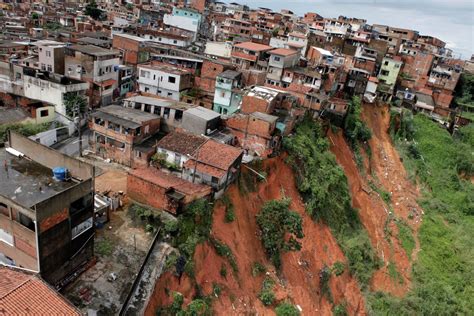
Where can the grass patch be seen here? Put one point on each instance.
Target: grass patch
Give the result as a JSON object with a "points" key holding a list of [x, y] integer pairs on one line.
{"points": [[27, 129], [324, 188], [405, 237], [384, 195], [443, 278], [338, 268], [258, 269], [104, 247], [393, 272]]}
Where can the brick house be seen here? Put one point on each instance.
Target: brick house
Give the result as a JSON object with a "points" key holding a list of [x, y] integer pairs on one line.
{"points": [[133, 48], [177, 147], [117, 131], [163, 191], [256, 133], [214, 164], [248, 55]]}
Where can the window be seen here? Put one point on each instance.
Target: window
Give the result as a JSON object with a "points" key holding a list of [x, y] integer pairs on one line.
{"points": [[50, 69], [147, 89], [172, 79], [144, 74], [385, 73], [44, 113], [386, 63], [48, 53], [223, 94], [170, 94], [43, 67], [276, 58], [178, 115], [175, 42]]}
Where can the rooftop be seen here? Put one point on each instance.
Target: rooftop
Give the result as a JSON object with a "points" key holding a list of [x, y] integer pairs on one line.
{"points": [[26, 294], [202, 112], [165, 68], [182, 143], [263, 92], [253, 46], [265, 117], [169, 181], [94, 50], [93, 41], [26, 181], [160, 102], [283, 52], [126, 117], [230, 74]]}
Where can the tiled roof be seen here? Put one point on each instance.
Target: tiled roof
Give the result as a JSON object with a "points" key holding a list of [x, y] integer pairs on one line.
{"points": [[214, 158], [181, 143], [27, 294], [283, 52], [253, 46]]}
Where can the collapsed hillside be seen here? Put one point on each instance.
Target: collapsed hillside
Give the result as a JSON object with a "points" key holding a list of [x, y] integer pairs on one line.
{"points": [[335, 270], [298, 280]]}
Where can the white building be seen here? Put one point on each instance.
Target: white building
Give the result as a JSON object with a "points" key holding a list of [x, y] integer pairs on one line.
{"points": [[164, 80]]}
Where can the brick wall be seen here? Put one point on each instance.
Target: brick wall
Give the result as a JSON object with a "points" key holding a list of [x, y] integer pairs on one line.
{"points": [[53, 220], [129, 47], [147, 193], [252, 104]]}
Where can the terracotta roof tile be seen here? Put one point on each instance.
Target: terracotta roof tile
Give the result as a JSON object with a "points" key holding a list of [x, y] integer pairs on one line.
{"points": [[27, 294], [283, 52], [253, 46], [181, 143]]}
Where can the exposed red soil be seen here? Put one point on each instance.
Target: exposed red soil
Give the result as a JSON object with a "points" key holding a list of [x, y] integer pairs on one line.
{"points": [[298, 280], [386, 170]]}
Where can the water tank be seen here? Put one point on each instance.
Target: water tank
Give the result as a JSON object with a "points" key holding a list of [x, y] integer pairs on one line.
{"points": [[60, 173]]}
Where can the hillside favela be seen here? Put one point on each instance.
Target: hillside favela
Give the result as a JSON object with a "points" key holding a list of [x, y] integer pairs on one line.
{"points": [[199, 157]]}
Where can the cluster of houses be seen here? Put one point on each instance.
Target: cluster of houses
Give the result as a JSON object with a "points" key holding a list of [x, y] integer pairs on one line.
{"points": [[182, 92]]}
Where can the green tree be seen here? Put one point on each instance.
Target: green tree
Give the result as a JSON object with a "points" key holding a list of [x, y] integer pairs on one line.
{"points": [[92, 10], [72, 102], [276, 221], [354, 128], [35, 16]]}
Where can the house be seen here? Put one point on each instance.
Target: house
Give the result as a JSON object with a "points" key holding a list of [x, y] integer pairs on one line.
{"points": [[133, 48], [25, 293], [298, 41], [370, 93], [256, 133], [95, 65], [388, 75], [228, 96], [281, 59], [176, 147], [200, 121], [46, 223], [162, 190], [260, 99], [51, 56], [214, 164], [117, 130], [164, 80], [171, 112], [184, 18], [248, 55]]}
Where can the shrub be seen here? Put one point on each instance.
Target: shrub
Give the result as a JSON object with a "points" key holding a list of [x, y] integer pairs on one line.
{"points": [[338, 268], [258, 269], [224, 251], [405, 237], [276, 221], [286, 309], [266, 294]]}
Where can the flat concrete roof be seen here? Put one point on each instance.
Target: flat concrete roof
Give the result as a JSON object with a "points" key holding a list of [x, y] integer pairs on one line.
{"points": [[28, 182], [124, 116], [204, 113]]}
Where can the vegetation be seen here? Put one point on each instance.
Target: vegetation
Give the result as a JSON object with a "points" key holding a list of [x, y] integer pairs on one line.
{"points": [[464, 93], [384, 195], [276, 221], [405, 237], [324, 276], [340, 310], [149, 218], [193, 227], [93, 11], [258, 269], [52, 26], [229, 209], [266, 294], [199, 306], [160, 159], [27, 129], [324, 188], [286, 309], [104, 247], [443, 278], [74, 103], [355, 129], [224, 251], [393, 272], [338, 268]]}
